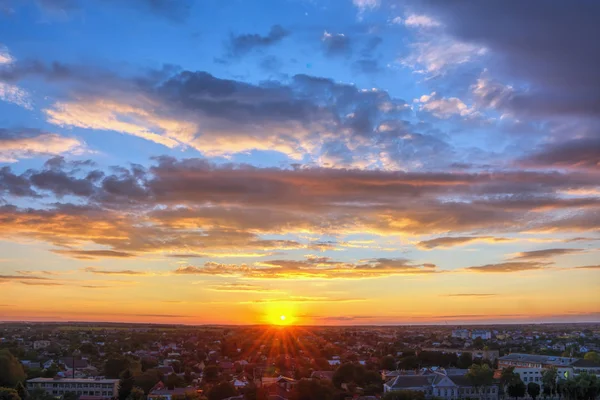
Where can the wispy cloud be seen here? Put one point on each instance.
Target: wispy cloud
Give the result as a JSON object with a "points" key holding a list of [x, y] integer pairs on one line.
{"points": [[509, 267], [93, 254], [95, 270]]}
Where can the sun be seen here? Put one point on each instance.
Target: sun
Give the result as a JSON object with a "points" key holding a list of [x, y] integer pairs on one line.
{"points": [[282, 318], [280, 314]]}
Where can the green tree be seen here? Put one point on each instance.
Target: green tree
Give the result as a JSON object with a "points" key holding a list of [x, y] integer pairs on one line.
{"points": [[480, 375], [11, 370], [148, 380], [307, 389], [211, 374], [40, 394], [404, 395], [549, 377], [136, 394], [516, 389], [388, 363], [221, 391], [465, 360], [126, 384], [21, 390], [114, 367], [51, 371], [533, 390], [8, 394], [70, 396], [173, 381], [592, 356]]}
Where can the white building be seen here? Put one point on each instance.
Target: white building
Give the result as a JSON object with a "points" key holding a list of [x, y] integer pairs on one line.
{"points": [[100, 388], [481, 333], [460, 333]]}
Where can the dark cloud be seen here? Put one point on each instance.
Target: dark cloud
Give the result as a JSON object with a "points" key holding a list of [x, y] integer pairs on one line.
{"points": [[457, 241], [240, 45], [579, 153], [545, 254], [559, 66], [312, 268], [508, 267], [15, 185], [98, 271], [93, 254], [336, 44]]}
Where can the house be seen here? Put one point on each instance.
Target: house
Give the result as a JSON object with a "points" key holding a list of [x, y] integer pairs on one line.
{"points": [[41, 344], [441, 385], [324, 375], [160, 392]]}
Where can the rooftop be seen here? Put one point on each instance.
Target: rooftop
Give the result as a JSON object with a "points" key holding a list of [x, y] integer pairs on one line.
{"points": [[72, 380]]}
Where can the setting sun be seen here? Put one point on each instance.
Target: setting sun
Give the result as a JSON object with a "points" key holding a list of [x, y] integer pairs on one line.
{"points": [[282, 318]]}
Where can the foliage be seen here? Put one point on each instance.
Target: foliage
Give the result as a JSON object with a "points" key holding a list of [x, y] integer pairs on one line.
{"points": [[70, 396], [40, 394], [189, 395], [126, 384], [222, 391], [8, 394], [21, 390], [174, 380], [583, 387], [11, 370], [549, 380], [516, 389], [533, 390], [592, 356], [114, 367], [136, 394], [465, 360], [354, 374], [388, 363], [51, 371], [480, 375], [313, 390], [147, 380], [211, 374], [404, 395]]}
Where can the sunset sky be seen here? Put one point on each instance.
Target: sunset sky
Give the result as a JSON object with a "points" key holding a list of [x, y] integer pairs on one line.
{"points": [[333, 161]]}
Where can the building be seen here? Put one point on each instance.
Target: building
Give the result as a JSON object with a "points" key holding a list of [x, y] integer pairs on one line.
{"points": [[95, 388], [589, 366], [460, 333], [450, 385], [481, 333], [41, 344], [519, 360], [162, 393]]}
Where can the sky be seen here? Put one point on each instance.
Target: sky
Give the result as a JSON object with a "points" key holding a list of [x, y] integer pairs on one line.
{"points": [[332, 161]]}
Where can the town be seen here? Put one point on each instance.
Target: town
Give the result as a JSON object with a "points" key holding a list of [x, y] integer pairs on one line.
{"points": [[98, 361]]}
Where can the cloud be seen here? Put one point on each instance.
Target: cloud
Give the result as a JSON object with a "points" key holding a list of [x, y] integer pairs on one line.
{"points": [[560, 76], [366, 4], [28, 143], [446, 242], [508, 267], [16, 95], [335, 44], [41, 283], [470, 295], [589, 267], [312, 268], [98, 271], [444, 108], [239, 287], [93, 254], [420, 21], [579, 153], [544, 254], [243, 44]]}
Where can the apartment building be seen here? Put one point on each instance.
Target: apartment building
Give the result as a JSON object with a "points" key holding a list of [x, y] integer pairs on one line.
{"points": [[98, 388]]}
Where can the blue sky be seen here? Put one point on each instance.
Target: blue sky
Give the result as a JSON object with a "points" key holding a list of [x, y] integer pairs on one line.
{"points": [[316, 157]]}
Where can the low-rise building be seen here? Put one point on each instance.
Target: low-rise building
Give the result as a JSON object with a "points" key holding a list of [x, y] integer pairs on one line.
{"points": [[41, 344], [97, 388], [481, 333], [442, 384]]}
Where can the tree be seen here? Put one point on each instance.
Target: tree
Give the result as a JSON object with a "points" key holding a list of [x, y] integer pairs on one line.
{"points": [[114, 367], [136, 394], [70, 396], [222, 391], [211, 374], [533, 390], [8, 394], [592, 356], [465, 360], [11, 370], [404, 395], [517, 389], [480, 375], [190, 395], [21, 390], [148, 380], [126, 384], [173, 381], [549, 380], [388, 363], [51, 371], [40, 394], [313, 390]]}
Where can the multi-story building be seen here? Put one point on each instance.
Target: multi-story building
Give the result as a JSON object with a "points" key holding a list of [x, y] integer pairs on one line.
{"points": [[98, 388], [491, 355], [481, 333], [519, 360], [460, 333], [449, 385]]}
